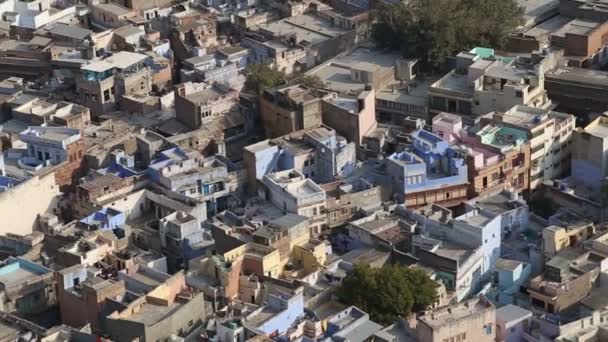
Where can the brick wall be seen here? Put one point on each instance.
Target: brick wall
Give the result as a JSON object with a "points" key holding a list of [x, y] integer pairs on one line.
{"points": [[66, 171]]}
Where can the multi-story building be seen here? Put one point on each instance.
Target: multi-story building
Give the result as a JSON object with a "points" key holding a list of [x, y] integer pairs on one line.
{"points": [[83, 296], [318, 153], [292, 192], [456, 265], [549, 134], [397, 91], [567, 279], [352, 117], [484, 82], [211, 180], [473, 319], [589, 158], [289, 109], [430, 172], [475, 229], [565, 229], [158, 315], [496, 160], [105, 15], [103, 82], [192, 32], [200, 103], [578, 91], [26, 287], [345, 199], [27, 59]]}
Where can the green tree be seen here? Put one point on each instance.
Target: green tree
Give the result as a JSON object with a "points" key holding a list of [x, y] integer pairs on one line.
{"points": [[310, 81], [260, 76], [432, 30], [389, 292]]}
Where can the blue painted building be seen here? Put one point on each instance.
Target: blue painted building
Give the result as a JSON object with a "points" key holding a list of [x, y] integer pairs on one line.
{"points": [[287, 308], [509, 276], [121, 165], [105, 219], [429, 164]]}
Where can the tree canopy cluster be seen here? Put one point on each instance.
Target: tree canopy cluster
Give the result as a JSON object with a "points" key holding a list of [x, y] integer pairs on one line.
{"points": [[432, 30], [260, 76], [389, 292]]}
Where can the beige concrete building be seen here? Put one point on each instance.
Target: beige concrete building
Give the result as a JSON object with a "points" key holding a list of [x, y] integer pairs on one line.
{"points": [[289, 109], [470, 320], [566, 230]]}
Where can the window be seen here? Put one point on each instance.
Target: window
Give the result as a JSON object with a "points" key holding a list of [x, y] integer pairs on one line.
{"points": [[488, 329], [106, 95]]}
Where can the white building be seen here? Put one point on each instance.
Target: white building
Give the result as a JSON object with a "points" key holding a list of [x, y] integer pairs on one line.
{"points": [[36, 13], [550, 136], [293, 193]]}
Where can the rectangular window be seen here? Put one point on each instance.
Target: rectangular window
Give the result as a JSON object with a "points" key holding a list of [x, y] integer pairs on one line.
{"points": [[488, 329]]}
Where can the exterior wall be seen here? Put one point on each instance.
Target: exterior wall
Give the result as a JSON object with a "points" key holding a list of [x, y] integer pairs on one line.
{"points": [[279, 120], [487, 237], [144, 4], [590, 157], [66, 172], [512, 331], [353, 126], [40, 193], [446, 196], [488, 179], [575, 93], [109, 18]]}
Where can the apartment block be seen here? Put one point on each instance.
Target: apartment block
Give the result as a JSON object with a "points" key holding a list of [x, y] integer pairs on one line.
{"points": [[550, 137]]}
